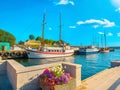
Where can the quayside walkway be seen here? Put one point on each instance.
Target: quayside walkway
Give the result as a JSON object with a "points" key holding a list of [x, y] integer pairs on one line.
{"points": [[108, 79]]}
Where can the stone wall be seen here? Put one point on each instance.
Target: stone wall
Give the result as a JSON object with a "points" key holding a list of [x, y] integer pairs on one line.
{"points": [[27, 78], [3, 67], [115, 63], [12, 68]]}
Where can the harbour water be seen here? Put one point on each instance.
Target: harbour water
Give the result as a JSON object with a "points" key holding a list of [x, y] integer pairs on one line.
{"points": [[91, 64]]}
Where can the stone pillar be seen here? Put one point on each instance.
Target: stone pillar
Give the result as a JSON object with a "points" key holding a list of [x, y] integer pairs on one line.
{"points": [[0, 58], [115, 63], [74, 70]]}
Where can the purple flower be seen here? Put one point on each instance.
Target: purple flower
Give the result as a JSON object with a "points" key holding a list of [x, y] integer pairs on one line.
{"points": [[47, 71], [66, 79], [57, 81], [49, 78], [50, 75]]}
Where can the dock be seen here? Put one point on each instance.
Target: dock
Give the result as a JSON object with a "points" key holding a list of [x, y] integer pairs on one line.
{"points": [[11, 54], [108, 79]]}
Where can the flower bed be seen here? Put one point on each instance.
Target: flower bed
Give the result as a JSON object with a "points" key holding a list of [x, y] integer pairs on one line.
{"points": [[56, 79]]}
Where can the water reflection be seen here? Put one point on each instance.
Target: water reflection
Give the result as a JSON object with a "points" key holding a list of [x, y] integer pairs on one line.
{"points": [[91, 57], [31, 62]]}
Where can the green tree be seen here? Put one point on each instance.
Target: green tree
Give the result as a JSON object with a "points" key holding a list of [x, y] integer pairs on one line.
{"points": [[21, 42], [7, 37], [31, 37], [39, 38]]}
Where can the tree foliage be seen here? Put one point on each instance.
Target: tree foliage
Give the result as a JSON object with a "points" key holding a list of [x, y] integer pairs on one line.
{"points": [[31, 37], [48, 42], [21, 42], [7, 37], [38, 38]]}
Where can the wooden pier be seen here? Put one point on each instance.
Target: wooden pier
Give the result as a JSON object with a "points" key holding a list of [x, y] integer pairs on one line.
{"points": [[13, 54]]}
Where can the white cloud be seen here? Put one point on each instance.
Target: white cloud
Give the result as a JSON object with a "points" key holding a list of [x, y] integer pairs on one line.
{"points": [[72, 3], [100, 33], [118, 34], [95, 26], [109, 34], [72, 26], [118, 10], [116, 4], [50, 28], [65, 2], [104, 23]]}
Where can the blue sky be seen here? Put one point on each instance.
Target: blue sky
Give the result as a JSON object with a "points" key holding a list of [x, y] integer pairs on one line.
{"points": [[83, 21]]}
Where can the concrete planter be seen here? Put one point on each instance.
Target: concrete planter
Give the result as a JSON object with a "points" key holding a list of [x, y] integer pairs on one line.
{"points": [[69, 86]]}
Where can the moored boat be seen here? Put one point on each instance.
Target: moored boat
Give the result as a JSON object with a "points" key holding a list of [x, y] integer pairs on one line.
{"points": [[89, 50], [49, 52], [105, 50]]}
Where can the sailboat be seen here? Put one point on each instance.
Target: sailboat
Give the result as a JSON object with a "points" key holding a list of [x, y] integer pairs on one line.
{"points": [[105, 50], [50, 52]]}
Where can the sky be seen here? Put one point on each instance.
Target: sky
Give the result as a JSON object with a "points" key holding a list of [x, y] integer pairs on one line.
{"points": [[84, 22]]}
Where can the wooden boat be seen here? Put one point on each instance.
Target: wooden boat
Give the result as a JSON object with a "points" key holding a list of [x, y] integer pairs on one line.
{"points": [[50, 52], [105, 49]]}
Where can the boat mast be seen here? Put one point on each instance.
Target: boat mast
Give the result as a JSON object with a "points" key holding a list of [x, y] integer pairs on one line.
{"points": [[60, 32], [43, 28], [105, 39]]}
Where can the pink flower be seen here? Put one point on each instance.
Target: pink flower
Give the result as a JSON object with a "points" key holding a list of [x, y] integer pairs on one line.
{"points": [[47, 71], [48, 78]]}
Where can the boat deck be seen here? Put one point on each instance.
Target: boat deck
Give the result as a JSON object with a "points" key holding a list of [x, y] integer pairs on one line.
{"points": [[108, 79]]}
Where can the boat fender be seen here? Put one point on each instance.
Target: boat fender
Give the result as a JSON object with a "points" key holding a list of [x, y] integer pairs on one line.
{"points": [[18, 53], [12, 54], [6, 53], [0, 54]]}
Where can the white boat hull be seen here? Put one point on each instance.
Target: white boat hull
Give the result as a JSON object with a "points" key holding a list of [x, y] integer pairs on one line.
{"points": [[89, 51], [38, 54]]}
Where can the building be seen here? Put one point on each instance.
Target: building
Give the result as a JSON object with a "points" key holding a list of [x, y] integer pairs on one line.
{"points": [[32, 43], [4, 46]]}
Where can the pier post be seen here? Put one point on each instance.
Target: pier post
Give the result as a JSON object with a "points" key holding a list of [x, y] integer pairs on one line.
{"points": [[74, 70], [0, 58], [115, 63]]}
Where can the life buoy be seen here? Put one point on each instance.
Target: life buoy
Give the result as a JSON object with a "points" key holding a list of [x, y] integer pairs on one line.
{"points": [[6, 54], [0, 54], [18, 54], [12, 54]]}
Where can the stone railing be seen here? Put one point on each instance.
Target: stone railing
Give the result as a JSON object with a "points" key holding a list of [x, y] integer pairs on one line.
{"points": [[115, 63], [27, 78]]}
